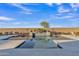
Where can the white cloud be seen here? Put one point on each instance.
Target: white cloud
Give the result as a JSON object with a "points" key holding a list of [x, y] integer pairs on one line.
{"points": [[20, 6], [58, 3], [59, 16], [56, 26], [21, 23], [62, 10], [16, 23], [24, 9], [71, 16], [49, 4], [24, 12], [75, 6], [66, 17], [5, 18], [72, 5]]}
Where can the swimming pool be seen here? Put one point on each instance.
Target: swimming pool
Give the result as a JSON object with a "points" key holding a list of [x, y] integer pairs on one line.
{"points": [[41, 42]]}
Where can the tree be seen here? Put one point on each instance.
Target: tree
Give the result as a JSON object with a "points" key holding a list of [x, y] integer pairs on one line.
{"points": [[44, 24], [42, 30]]}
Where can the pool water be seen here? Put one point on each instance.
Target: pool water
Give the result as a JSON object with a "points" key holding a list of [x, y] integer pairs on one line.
{"points": [[39, 43]]}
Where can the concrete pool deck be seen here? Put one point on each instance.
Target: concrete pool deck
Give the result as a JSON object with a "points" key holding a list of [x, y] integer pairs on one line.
{"points": [[71, 37], [6, 43], [5, 37], [11, 44]]}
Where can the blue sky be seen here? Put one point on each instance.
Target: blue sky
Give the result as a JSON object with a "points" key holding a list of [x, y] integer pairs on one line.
{"points": [[29, 15]]}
